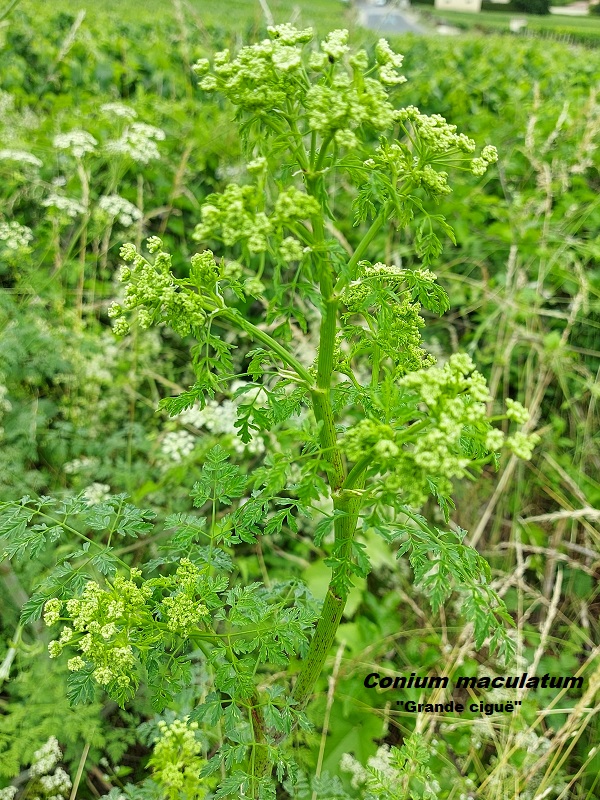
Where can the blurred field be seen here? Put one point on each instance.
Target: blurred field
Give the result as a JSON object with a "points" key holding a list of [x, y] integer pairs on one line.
{"points": [[238, 14]]}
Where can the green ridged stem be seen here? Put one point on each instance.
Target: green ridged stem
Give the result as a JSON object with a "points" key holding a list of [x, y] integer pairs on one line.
{"points": [[261, 336], [349, 503], [321, 394], [346, 488]]}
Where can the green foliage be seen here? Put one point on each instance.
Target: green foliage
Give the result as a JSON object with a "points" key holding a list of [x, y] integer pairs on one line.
{"points": [[396, 774], [533, 6]]}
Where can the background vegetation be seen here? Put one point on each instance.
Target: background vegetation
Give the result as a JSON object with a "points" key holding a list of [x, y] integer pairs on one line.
{"points": [[496, 18], [78, 408]]}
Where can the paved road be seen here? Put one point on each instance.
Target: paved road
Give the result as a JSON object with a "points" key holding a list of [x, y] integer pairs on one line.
{"points": [[387, 20]]}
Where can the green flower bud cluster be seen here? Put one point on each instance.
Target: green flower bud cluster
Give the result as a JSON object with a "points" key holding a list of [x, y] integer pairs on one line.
{"points": [[366, 436], [232, 216], [435, 132], [158, 296], [457, 377], [336, 44], [522, 444], [455, 428], [290, 249], [293, 205], [351, 99], [313, 104], [401, 341], [489, 155], [112, 627], [394, 321], [52, 610], [183, 609], [345, 106], [176, 761], [267, 76], [102, 623], [516, 412], [204, 271], [430, 143], [389, 62], [436, 143], [263, 75]]}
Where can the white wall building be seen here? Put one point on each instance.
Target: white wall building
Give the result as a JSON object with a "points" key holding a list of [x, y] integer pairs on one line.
{"points": [[458, 5]]}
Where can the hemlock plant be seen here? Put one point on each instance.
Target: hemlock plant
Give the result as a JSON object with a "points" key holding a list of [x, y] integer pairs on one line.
{"points": [[389, 429]]}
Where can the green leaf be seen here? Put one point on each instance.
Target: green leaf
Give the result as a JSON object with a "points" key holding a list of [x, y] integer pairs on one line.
{"points": [[251, 419], [105, 562], [81, 687], [258, 357], [219, 481], [210, 711], [32, 609], [444, 501], [363, 564], [235, 785], [196, 393], [133, 521]]}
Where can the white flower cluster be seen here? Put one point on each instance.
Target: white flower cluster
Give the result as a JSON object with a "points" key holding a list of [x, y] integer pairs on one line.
{"points": [[8, 793], [77, 142], [118, 110], [177, 445], [381, 762], [96, 493], [57, 785], [215, 417], [14, 235], [46, 758], [100, 367], [68, 206], [138, 142], [78, 465], [21, 157], [359, 774], [5, 406], [7, 103], [119, 209], [528, 740]]}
